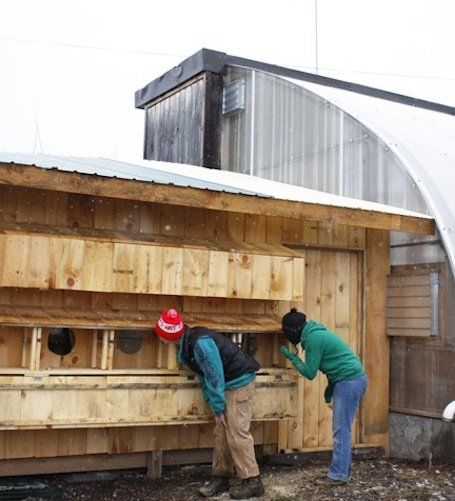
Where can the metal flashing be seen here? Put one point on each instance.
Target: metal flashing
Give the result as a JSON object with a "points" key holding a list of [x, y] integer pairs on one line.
{"points": [[215, 62], [203, 60]]}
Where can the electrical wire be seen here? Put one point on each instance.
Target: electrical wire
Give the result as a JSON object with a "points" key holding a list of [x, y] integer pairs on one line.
{"points": [[180, 56]]}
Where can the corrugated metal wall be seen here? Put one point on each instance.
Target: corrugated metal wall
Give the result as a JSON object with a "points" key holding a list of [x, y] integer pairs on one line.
{"points": [[289, 134], [174, 126]]}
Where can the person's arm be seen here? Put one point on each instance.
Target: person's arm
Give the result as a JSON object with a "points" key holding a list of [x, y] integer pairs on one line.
{"points": [[208, 358], [308, 368]]}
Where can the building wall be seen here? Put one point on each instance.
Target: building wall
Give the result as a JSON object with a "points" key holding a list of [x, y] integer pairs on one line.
{"points": [[421, 438], [334, 279]]}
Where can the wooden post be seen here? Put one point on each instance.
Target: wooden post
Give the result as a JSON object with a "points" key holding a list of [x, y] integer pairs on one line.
{"points": [[104, 349], [24, 348], [94, 349], [110, 352], [155, 464], [33, 348], [375, 408], [172, 356], [38, 348]]}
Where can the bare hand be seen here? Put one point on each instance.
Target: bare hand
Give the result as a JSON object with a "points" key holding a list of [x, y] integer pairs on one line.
{"points": [[221, 420]]}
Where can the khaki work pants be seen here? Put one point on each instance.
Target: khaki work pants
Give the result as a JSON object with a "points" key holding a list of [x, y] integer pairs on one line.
{"points": [[234, 445]]}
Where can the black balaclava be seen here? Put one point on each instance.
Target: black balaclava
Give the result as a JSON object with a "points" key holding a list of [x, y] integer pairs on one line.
{"points": [[292, 325]]}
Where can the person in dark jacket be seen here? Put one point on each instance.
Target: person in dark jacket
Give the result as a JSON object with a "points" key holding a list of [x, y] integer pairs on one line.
{"points": [[227, 375], [347, 383]]}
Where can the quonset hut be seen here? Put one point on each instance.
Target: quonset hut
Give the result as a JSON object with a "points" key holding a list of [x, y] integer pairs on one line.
{"points": [[235, 114]]}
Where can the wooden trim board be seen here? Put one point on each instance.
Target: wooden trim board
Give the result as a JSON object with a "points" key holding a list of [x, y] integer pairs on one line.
{"points": [[91, 184]]}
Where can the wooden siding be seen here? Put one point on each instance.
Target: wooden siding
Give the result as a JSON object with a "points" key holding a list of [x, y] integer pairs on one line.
{"points": [[422, 375], [94, 186], [330, 273], [49, 262], [174, 125], [409, 302]]}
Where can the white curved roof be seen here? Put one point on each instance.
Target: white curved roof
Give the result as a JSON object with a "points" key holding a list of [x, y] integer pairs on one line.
{"points": [[424, 142]]}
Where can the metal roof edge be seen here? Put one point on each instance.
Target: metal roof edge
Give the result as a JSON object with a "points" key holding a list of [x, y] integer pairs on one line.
{"points": [[215, 62], [203, 60]]}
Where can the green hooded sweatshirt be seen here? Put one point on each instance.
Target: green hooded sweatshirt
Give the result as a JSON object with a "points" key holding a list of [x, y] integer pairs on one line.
{"points": [[326, 352]]}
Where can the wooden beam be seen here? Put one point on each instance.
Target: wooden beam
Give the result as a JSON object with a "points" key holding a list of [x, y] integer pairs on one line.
{"points": [[94, 349], [93, 185], [375, 407], [155, 464]]}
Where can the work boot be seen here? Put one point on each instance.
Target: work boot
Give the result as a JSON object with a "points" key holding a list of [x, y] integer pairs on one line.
{"points": [[215, 486], [329, 482], [249, 488]]}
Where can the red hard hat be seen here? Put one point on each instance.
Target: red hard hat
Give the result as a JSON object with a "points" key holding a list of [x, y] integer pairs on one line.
{"points": [[170, 325]]}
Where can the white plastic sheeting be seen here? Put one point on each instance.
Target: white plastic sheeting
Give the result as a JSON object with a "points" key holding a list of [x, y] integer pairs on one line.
{"points": [[423, 141]]}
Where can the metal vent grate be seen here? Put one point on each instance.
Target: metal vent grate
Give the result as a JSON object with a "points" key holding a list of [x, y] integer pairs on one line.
{"points": [[234, 97]]}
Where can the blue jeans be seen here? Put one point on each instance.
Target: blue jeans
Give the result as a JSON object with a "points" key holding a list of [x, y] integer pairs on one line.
{"points": [[346, 399]]}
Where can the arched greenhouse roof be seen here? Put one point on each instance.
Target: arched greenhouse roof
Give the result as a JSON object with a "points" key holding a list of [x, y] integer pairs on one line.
{"points": [[422, 140]]}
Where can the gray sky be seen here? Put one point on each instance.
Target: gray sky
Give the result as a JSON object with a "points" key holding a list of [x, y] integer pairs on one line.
{"points": [[69, 69]]}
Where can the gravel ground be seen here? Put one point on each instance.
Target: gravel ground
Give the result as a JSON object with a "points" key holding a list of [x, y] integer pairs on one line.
{"points": [[371, 480]]}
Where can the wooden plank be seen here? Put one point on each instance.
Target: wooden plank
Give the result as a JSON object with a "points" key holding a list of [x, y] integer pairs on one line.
{"points": [[155, 465], [328, 318], [240, 276], [217, 280], [255, 228], [99, 401], [25, 348], [313, 310], [408, 332], [94, 360], [356, 237], [409, 302], [32, 361], [35, 177], [409, 323], [325, 233], [195, 272], [110, 351], [409, 291], [38, 348], [408, 312], [310, 231], [340, 235], [376, 343], [105, 349], [409, 280], [262, 272], [281, 286]]}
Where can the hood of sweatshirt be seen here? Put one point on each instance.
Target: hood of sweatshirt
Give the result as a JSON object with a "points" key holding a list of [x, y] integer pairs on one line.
{"points": [[310, 327]]}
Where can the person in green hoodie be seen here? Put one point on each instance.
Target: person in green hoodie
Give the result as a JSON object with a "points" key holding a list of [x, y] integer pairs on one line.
{"points": [[347, 382]]}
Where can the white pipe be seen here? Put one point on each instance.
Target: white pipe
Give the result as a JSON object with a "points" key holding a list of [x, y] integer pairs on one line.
{"points": [[449, 412]]}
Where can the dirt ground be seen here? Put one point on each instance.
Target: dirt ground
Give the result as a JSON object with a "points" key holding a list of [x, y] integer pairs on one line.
{"points": [[371, 480]]}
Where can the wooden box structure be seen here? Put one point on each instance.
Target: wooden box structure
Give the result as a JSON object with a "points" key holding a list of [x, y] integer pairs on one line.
{"points": [[99, 258]]}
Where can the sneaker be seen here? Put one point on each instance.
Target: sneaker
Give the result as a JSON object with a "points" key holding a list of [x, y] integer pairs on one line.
{"points": [[215, 486], [329, 482], [249, 488]]}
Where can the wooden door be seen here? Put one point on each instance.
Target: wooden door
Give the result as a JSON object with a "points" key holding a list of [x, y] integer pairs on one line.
{"points": [[333, 296]]}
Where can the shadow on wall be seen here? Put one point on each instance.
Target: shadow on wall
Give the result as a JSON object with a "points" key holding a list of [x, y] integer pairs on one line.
{"points": [[415, 437]]}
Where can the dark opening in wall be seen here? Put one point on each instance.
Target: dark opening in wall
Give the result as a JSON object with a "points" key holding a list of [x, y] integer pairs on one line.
{"points": [[61, 341], [129, 342]]}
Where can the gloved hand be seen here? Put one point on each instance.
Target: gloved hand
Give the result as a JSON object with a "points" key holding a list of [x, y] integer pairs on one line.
{"points": [[287, 353]]}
